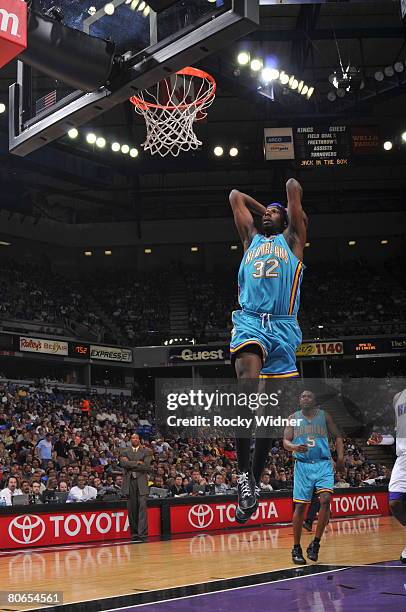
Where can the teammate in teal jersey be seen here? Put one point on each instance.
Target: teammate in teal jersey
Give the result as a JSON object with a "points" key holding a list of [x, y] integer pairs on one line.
{"points": [[308, 441], [265, 331]]}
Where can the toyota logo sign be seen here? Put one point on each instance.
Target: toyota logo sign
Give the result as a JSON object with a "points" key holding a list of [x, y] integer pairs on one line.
{"points": [[200, 516], [26, 529]]}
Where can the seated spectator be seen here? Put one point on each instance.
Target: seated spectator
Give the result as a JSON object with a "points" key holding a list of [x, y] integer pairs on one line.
{"points": [[340, 483], [10, 490], [265, 483], [195, 483], [177, 489], [220, 487], [36, 492], [81, 492]]}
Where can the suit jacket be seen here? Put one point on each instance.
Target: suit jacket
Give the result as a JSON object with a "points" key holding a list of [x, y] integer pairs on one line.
{"points": [[133, 469]]}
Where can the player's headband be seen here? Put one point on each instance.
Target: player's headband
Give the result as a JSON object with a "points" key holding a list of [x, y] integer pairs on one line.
{"points": [[281, 208]]}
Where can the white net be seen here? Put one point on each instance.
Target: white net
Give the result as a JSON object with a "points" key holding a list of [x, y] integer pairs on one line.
{"points": [[170, 109]]}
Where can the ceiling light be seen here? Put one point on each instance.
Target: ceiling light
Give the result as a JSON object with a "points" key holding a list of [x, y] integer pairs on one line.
{"points": [[142, 6], [399, 67], [233, 247], [88, 253], [387, 145], [116, 146], [233, 152], [310, 92], [292, 78], [284, 78], [384, 241], [256, 64], [218, 151], [194, 249], [404, 136], [2, 108], [147, 251], [269, 74], [134, 152], [389, 71], [3, 243], [134, 4], [305, 89], [300, 86], [108, 252], [92, 10], [243, 58], [91, 138], [307, 244], [146, 11], [295, 84], [109, 8], [352, 242], [73, 133], [101, 142], [125, 149], [379, 75]]}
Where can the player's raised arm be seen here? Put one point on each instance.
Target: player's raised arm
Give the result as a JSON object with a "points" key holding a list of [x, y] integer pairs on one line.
{"points": [[296, 231], [335, 432], [243, 206]]}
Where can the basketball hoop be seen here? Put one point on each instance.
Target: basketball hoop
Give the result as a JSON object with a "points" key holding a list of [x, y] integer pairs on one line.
{"points": [[171, 107]]}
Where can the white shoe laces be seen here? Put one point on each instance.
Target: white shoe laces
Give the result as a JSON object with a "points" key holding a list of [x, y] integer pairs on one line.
{"points": [[243, 482]]}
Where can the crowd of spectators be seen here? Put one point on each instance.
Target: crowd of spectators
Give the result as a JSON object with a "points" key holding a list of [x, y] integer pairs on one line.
{"points": [[33, 292], [350, 299], [50, 443], [133, 308]]}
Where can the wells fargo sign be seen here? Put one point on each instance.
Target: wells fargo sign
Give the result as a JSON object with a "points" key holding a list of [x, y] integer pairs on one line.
{"points": [[316, 349]]}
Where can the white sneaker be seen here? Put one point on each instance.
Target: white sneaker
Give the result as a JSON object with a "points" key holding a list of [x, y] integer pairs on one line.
{"points": [[403, 556]]}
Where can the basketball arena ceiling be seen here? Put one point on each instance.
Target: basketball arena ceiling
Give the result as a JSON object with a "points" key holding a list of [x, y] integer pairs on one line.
{"points": [[72, 182]]}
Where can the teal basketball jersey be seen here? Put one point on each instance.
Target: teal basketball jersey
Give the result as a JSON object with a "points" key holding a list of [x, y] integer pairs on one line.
{"points": [[269, 277], [314, 433]]}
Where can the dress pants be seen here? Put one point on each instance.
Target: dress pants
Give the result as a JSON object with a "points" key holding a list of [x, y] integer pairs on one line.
{"points": [[137, 511]]}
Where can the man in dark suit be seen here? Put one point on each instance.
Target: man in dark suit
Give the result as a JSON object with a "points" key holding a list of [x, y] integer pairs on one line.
{"points": [[136, 462]]}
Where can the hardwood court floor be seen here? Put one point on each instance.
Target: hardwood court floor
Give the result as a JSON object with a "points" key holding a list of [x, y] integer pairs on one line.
{"points": [[95, 572]]}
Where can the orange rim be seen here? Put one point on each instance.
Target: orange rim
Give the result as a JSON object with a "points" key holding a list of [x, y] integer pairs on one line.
{"points": [[188, 71]]}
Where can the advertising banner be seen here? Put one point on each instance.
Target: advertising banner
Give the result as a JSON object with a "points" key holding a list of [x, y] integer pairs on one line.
{"points": [[108, 353], [210, 516], [314, 349], [39, 345], [13, 29], [69, 527], [279, 143], [196, 354]]}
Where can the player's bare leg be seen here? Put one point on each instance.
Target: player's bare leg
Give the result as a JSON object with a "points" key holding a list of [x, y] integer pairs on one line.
{"points": [[398, 509], [298, 516], [323, 519], [247, 366]]}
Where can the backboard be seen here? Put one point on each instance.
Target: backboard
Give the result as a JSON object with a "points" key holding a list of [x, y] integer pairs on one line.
{"points": [[149, 46]]}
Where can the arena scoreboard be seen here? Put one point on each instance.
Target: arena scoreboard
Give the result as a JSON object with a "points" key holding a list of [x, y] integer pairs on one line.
{"points": [[321, 145]]}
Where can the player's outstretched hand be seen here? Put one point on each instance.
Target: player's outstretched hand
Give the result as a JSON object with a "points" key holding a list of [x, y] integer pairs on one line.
{"points": [[376, 438], [302, 448]]}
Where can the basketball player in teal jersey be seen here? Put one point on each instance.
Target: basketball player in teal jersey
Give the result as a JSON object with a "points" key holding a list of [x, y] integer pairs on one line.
{"points": [[308, 441], [265, 331]]}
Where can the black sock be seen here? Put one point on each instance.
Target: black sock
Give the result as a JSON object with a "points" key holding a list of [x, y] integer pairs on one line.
{"points": [[243, 446], [261, 454], [317, 540]]}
